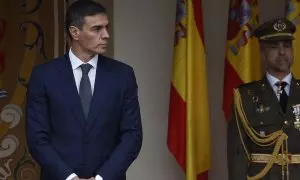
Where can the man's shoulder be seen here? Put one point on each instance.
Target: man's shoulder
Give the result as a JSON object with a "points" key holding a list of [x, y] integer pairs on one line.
{"points": [[49, 66], [251, 89], [250, 85], [114, 64], [297, 81], [49, 63]]}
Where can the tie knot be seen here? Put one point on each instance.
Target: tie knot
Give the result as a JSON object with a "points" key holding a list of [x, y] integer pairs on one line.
{"points": [[85, 68], [281, 84]]}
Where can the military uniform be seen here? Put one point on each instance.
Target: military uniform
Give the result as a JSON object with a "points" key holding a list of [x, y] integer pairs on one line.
{"points": [[263, 140]]}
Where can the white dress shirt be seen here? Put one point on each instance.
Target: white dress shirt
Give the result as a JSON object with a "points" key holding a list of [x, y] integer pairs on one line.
{"points": [[273, 80], [76, 62]]}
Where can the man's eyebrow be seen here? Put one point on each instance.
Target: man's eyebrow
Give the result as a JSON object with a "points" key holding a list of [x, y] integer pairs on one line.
{"points": [[94, 26]]}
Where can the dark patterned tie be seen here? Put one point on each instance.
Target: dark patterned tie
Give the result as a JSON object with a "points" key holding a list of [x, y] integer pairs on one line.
{"points": [[283, 99], [85, 90]]}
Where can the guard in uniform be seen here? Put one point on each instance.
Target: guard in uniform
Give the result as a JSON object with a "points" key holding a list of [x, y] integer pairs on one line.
{"points": [[264, 132]]}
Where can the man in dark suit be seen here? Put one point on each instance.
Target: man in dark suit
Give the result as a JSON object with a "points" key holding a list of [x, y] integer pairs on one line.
{"points": [[264, 132], [83, 116]]}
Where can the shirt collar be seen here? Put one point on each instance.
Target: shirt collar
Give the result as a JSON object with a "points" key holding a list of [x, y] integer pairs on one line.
{"points": [[273, 80], [76, 62]]}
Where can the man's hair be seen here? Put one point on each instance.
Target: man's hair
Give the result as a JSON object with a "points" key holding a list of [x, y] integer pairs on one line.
{"points": [[78, 10]]}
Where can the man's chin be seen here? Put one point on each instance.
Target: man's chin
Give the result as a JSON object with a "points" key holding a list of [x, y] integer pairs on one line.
{"points": [[100, 51], [284, 70]]}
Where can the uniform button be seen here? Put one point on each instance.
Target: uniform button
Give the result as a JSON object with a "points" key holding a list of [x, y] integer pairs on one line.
{"points": [[261, 123], [286, 122]]}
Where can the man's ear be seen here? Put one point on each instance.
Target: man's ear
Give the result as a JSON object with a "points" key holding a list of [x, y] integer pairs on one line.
{"points": [[75, 32]]}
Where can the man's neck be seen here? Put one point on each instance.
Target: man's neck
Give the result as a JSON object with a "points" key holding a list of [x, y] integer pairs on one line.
{"points": [[83, 56], [279, 75]]}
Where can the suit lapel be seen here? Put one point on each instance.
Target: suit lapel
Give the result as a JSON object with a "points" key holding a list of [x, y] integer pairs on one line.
{"points": [[69, 89], [101, 89]]}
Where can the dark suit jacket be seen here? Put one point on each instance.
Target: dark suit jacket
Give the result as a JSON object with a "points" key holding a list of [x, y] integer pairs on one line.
{"points": [[269, 121], [59, 137]]}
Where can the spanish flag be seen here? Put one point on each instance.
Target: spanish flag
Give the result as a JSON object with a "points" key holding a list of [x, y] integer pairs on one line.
{"points": [[189, 130], [242, 60], [293, 14]]}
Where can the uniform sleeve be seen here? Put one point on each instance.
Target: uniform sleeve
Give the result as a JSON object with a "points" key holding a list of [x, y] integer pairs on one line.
{"points": [[237, 161]]}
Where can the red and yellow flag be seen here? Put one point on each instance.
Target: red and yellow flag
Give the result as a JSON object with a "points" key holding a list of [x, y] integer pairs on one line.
{"points": [[293, 14], [242, 61], [189, 130]]}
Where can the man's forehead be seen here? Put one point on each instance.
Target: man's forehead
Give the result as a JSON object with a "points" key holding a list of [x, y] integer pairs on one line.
{"points": [[96, 19]]}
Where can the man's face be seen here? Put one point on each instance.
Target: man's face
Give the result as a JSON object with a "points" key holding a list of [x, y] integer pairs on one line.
{"points": [[277, 56], [93, 37]]}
